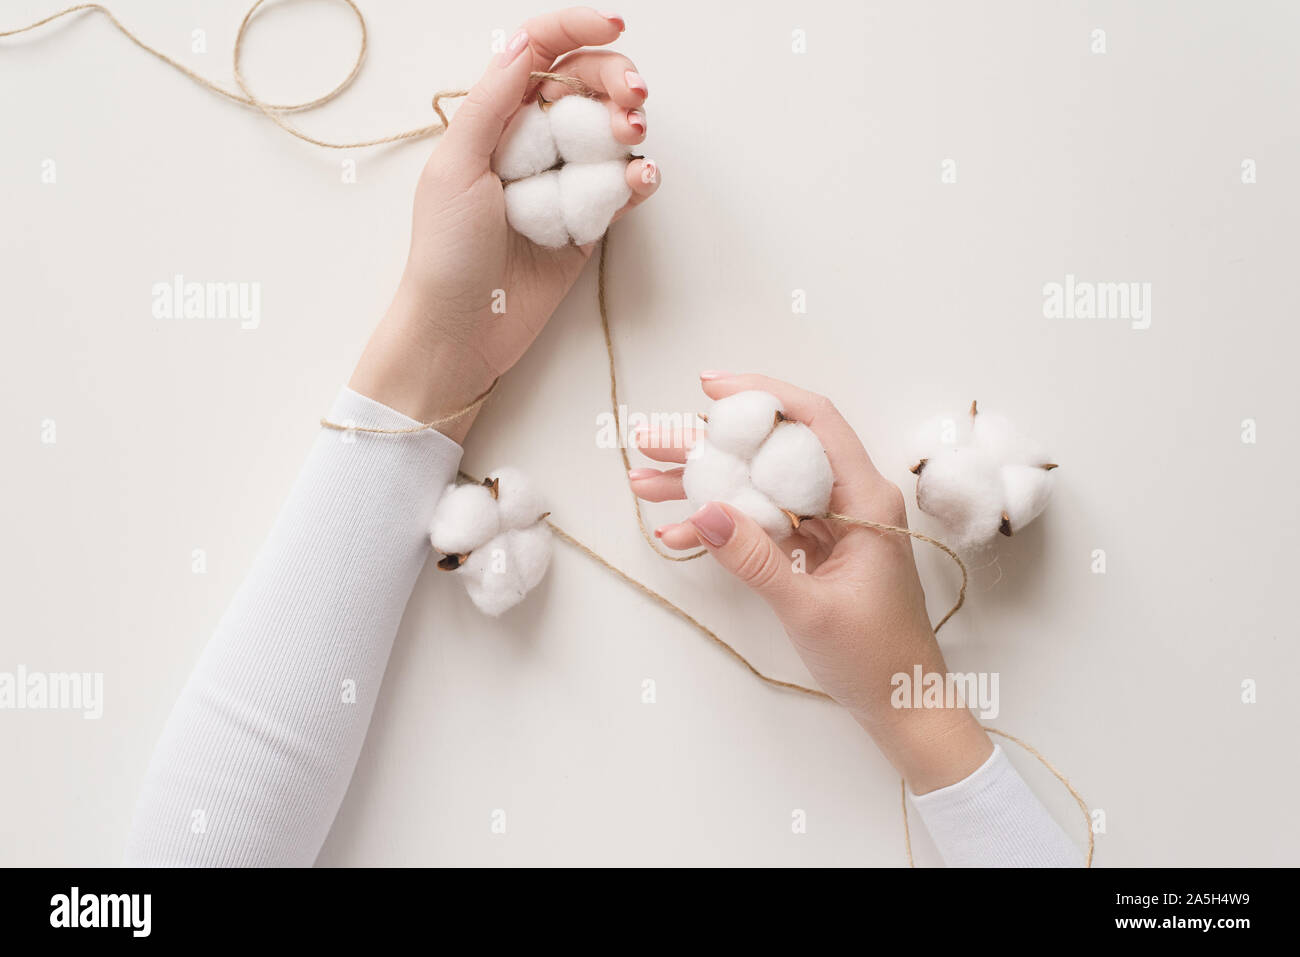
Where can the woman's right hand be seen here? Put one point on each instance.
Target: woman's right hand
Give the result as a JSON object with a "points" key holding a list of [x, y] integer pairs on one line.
{"points": [[853, 607]]}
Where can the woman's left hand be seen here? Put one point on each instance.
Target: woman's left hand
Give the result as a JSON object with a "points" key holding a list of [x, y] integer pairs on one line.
{"points": [[475, 294]]}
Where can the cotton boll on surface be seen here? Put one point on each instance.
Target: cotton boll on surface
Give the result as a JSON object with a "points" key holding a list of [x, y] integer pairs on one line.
{"points": [[466, 518], [763, 511], [962, 489], [531, 552], [590, 195], [535, 211], [712, 475], [1026, 490], [792, 470], [527, 146], [519, 503], [739, 423], [500, 574], [582, 131]]}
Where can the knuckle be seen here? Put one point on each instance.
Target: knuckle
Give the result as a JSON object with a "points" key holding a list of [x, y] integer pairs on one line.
{"points": [[759, 564]]}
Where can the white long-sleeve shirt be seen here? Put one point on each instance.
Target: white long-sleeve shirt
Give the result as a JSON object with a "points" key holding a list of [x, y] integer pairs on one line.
{"points": [[256, 756]]}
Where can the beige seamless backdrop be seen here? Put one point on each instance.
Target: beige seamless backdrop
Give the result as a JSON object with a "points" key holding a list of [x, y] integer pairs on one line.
{"points": [[819, 171]]}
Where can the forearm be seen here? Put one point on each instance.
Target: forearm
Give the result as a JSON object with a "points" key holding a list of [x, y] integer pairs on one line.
{"points": [[257, 754]]}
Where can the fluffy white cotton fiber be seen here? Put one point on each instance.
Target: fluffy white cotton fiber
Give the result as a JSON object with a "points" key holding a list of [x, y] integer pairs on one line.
{"points": [[535, 211], [575, 203], [998, 482], [792, 470], [527, 146], [754, 459], [590, 195], [465, 518], [582, 132], [740, 423], [494, 538]]}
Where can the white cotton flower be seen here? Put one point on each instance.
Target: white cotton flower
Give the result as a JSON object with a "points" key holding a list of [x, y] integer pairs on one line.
{"points": [[527, 146], [590, 195], [756, 460], [580, 126], [535, 211], [466, 517], [576, 202], [494, 538], [998, 482]]}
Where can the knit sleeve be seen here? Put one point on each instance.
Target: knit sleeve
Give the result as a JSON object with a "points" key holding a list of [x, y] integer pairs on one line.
{"points": [[256, 756], [992, 819]]}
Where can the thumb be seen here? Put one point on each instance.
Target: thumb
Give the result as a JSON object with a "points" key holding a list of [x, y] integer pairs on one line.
{"points": [[742, 547], [479, 121]]}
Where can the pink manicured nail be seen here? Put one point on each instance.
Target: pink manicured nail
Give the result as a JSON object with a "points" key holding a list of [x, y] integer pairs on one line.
{"points": [[513, 48], [636, 119], [714, 524], [711, 374], [659, 532], [636, 83], [635, 474], [613, 18]]}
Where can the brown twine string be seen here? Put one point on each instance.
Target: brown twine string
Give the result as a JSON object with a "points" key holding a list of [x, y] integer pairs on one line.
{"points": [[274, 113], [441, 420]]}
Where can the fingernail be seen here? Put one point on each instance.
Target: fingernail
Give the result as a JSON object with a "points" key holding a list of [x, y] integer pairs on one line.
{"points": [[711, 374], [513, 48], [635, 474], [614, 18], [636, 118], [714, 524], [636, 82], [659, 532], [649, 171]]}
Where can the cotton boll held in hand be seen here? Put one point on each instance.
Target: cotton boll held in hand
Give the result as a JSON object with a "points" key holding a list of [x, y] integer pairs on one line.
{"points": [[527, 146], [577, 202], [582, 132], [772, 469], [494, 538], [590, 195], [739, 423], [712, 475], [792, 470], [997, 483], [534, 210]]}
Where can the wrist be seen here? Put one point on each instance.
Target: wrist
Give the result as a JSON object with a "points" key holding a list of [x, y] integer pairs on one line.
{"points": [[412, 365], [931, 747]]}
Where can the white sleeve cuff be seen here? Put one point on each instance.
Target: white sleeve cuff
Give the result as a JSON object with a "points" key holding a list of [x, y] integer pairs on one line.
{"points": [[992, 819]]}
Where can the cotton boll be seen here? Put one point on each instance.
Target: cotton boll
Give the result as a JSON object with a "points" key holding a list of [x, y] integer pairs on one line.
{"points": [[763, 511], [465, 518], [712, 475], [792, 470], [527, 145], [530, 549], [582, 131], [535, 211], [1026, 489], [739, 423], [500, 574], [961, 487], [996, 435], [590, 195], [519, 503]]}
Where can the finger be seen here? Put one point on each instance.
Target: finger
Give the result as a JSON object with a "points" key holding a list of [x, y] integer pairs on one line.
{"points": [[656, 486], [858, 485], [563, 31], [666, 445], [678, 536], [608, 73], [628, 126], [742, 547], [643, 179], [477, 125]]}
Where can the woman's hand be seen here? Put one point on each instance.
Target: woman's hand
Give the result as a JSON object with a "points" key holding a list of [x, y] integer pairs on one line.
{"points": [[475, 294], [856, 614]]}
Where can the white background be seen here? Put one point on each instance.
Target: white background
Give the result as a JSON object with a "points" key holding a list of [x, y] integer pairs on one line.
{"points": [[781, 171]]}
